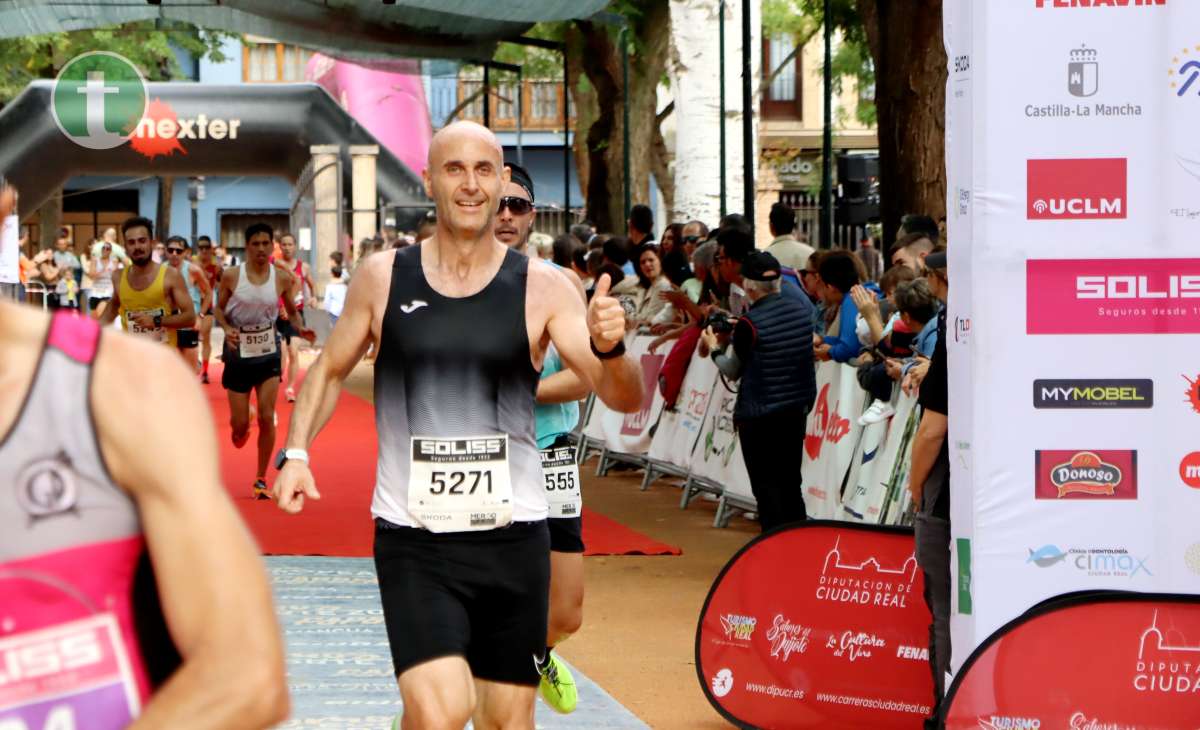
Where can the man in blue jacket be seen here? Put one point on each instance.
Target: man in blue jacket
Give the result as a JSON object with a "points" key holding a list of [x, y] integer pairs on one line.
{"points": [[773, 357]]}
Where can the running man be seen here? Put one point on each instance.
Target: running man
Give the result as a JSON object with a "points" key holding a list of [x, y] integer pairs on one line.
{"points": [[248, 302], [289, 327], [150, 298], [200, 292], [114, 555], [558, 395], [212, 269], [461, 544]]}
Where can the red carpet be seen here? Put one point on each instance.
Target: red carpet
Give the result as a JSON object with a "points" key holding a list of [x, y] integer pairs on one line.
{"points": [[339, 524]]}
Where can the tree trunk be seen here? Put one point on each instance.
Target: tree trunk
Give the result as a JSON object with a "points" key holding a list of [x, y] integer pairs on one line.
{"points": [[910, 100], [601, 62], [166, 189], [585, 106]]}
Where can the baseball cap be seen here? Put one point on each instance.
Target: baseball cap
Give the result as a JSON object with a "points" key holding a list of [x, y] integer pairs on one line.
{"points": [[936, 260], [761, 266]]}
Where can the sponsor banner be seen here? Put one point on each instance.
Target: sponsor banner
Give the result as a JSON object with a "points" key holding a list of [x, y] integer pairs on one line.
{"points": [[843, 642], [1093, 393], [831, 438], [1076, 189], [1189, 470], [1098, 474], [874, 475], [677, 432], [717, 455], [1112, 296], [630, 433], [1117, 662]]}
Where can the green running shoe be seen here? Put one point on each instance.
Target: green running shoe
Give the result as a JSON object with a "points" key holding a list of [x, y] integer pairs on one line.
{"points": [[558, 685]]}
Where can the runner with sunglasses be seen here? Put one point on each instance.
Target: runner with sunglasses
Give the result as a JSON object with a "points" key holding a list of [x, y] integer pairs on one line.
{"points": [[199, 290], [211, 267], [151, 298], [557, 411]]}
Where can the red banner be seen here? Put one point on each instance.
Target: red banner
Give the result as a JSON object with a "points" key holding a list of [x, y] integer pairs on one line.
{"points": [[819, 625], [1092, 662]]}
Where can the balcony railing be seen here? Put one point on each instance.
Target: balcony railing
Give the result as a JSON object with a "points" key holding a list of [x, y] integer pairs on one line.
{"points": [[541, 104]]}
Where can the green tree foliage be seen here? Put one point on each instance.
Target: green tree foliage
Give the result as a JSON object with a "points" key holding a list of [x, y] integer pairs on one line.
{"points": [[149, 46], [804, 20]]}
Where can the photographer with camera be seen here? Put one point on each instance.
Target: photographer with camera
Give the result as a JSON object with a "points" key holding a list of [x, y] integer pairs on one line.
{"points": [[772, 356]]}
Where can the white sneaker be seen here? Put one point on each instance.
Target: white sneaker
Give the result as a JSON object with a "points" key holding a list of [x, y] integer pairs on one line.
{"points": [[879, 411]]}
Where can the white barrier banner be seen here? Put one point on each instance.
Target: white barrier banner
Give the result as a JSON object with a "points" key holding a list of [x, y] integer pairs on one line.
{"points": [[718, 455], [874, 460], [629, 433], [675, 439], [830, 438]]}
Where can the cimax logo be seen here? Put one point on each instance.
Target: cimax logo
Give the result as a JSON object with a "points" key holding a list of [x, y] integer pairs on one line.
{"points": [[1076, 189]]}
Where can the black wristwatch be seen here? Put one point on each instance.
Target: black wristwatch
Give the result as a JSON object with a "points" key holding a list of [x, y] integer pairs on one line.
{"points": [[286, 455], [617, 351], [158, 318]]}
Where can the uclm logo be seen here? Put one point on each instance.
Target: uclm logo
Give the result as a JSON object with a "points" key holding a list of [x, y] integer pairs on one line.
{"points": [[1112, 296], [1077, 189]]}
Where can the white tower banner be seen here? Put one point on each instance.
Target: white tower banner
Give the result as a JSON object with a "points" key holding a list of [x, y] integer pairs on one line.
{"points": [[1074, 232]]}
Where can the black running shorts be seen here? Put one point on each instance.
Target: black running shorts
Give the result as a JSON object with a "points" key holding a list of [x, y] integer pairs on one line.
{"points": [[285, 329], [566, 533], [186, 339], [241, 376], [481, 595]]}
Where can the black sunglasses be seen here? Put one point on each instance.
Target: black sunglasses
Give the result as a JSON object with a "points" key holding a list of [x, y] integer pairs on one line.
{"points": [[175, 250], [204, 247], [519, 206], [691, 239]]}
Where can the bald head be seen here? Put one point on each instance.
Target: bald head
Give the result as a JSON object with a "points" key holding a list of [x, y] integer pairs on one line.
{"points": [[465, 178], [452, 136]]}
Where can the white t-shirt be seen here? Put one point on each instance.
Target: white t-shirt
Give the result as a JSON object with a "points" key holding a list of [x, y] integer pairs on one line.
{"points": [[335, 297]]}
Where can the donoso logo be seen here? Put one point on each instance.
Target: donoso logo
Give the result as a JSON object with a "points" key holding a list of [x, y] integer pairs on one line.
{"points": [[1112, 296], [1077, 189]]}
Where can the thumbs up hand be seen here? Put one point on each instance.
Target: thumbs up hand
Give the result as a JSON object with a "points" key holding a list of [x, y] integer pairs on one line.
{"points": [[605, 317]]}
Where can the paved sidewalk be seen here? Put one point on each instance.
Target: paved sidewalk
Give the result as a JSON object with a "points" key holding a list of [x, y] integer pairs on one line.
{"points": [[339, 668]]}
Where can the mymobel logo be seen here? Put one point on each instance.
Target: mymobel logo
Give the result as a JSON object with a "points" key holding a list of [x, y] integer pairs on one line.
{"points": [[98, 100], [1093, 393]]}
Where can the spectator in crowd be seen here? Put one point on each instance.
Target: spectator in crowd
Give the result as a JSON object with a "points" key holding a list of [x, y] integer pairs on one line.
{"points": [[839, 274], [640, 294], [541, 245], [595, 263], [773, 360], [671, 238], [366, 247], [616, 252], [789, 251], [871, 258], [563, 250], [104, 272], [390, 237], [918, 310], [911, 250], [702, 272], [693, 234], [583, 231], [877, 317], [641, 225], [929, 483], [427, 228], [579, 264], [110, 237], [735, 242], [335, 289], [913, 223], [63, 273]]}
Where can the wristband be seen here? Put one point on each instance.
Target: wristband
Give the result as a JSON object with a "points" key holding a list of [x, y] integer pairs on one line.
{"points": [[617, 351]]}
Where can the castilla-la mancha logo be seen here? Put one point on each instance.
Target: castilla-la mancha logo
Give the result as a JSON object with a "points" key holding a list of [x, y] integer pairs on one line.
{"points": [[98, 100]]}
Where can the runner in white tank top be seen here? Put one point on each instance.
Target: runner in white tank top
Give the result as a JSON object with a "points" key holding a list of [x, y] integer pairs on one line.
{"points": [[247, 308]]}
